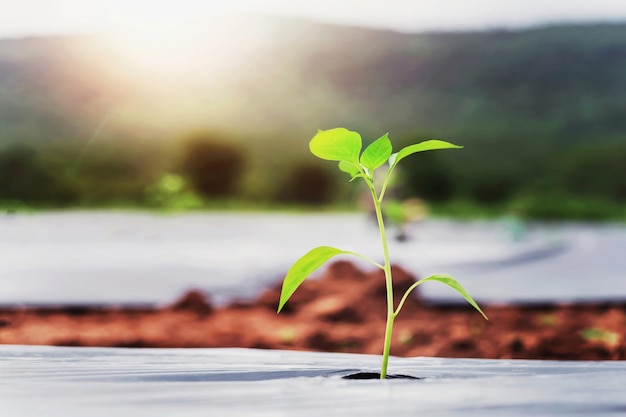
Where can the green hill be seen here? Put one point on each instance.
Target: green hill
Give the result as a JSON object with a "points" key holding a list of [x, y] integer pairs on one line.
{"points": [[539, 110]]}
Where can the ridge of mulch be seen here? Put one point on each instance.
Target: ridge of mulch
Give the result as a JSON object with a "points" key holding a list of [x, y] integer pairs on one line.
{"points": [[342, 311]]}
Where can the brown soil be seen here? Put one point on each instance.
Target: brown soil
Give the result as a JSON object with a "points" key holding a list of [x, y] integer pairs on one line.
{"points": [[343, 311]]}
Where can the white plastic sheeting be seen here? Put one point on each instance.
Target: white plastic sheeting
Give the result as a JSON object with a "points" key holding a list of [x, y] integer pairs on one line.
{"points": [[113, 257], [105, 382]]}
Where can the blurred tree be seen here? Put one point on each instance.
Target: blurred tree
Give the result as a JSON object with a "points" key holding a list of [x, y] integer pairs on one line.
{"points": [[558, 206], [23, 178], [114, 171], [492, 189], [212, 166], [308, 184], [171, 193], [595, 171], [427, 176]]}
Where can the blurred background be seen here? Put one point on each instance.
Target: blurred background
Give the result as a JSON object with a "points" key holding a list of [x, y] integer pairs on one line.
{"points": [[191, 106]]}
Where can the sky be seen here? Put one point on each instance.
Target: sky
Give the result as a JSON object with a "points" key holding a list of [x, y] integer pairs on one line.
{"points": [[41, 17]]}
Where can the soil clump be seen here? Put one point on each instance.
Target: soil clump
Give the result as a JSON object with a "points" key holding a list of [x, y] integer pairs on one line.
{"points": [[341, 311]]}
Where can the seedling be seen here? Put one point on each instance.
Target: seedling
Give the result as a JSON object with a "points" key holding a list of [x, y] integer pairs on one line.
{"points": [[344, 146], [595, 334]]}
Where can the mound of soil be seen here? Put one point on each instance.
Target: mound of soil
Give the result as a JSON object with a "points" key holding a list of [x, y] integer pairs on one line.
{"points": [[342, 311]]}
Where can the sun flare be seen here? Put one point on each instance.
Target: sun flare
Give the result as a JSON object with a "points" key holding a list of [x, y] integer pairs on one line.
{"points": [[172, 38]]}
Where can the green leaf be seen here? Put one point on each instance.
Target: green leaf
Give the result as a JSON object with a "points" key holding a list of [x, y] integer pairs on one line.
{"points": [[304, 267], [394, 212], [429, 145], [349, 168], [337, 144], [377, 153], [454, 284]]}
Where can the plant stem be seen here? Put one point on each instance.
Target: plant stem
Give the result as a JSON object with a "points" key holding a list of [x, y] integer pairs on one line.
{"points": [[388, 282], [385, 184]]}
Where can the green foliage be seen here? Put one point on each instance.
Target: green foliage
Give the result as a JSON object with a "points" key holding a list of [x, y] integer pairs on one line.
{"points": [[465, 209], [304, 267], [172, 193], [344, 146], [376, 154], [14, 206], [350, 168], [336, 145], [307, 184], [429, 145], [25, 179], [545, 107], [394, 212], [212, 166], [110, 171], [557, 206], [594, 334], [450, 282], [594, 171], [430, 179]]}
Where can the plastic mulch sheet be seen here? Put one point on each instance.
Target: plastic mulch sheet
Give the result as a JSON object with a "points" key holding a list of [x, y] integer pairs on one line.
{"points": [[78, 382], [112, 258]]}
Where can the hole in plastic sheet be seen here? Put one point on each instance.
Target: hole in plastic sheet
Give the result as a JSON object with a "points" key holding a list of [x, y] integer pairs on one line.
{"points": [[376, 375]]}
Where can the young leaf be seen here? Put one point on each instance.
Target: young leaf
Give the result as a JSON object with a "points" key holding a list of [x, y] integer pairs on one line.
{"points": [[349, 168], [304, 267], [377, 153], [454, 284], [429, 145], [337, 144]]}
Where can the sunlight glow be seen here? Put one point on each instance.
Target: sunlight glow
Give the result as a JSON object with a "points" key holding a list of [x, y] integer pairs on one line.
{"points": [[172, 38]]}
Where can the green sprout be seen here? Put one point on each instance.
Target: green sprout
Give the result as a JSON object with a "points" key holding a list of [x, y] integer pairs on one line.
{"points": [[344, 146], [595, 334]]}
